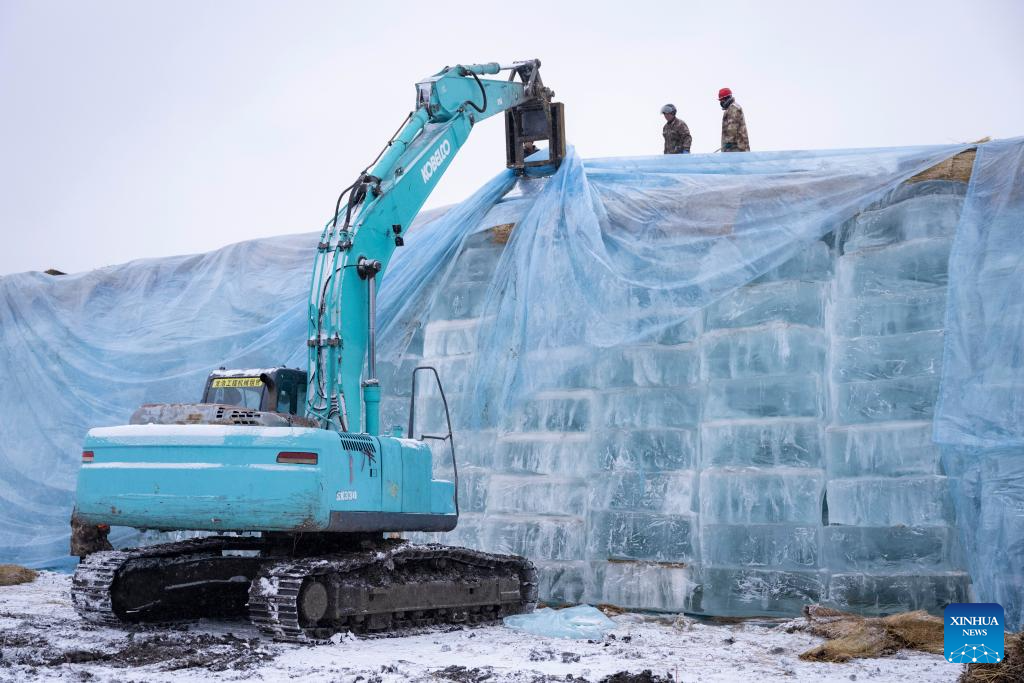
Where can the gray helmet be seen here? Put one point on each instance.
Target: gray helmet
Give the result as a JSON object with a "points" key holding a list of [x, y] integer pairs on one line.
{"points": [[668, 109]]}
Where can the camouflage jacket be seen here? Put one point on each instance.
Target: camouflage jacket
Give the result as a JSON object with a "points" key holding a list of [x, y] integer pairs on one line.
{"points": [[677, 137], [734, 130]]}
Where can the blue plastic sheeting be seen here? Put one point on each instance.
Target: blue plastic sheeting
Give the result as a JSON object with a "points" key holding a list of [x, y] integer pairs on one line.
{"points": [[620, 251], [613, 270], [982, 397], [582, 622], [980, 415], [86, 350], [988, 492], [410, 283]]}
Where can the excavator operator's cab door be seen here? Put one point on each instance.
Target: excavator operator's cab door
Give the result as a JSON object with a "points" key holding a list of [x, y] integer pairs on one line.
{"points": [[289, 392]]}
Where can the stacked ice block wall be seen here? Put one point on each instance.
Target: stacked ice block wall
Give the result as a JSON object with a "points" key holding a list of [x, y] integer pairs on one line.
{"points": [[768, 451], [890, 543]]}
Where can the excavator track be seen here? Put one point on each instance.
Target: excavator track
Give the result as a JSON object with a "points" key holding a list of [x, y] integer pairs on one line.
{"points": [[385, 588], [160, 582], [388, 591], [90, 587]]}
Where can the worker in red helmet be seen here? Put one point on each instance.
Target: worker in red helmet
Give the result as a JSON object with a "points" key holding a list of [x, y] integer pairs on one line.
{"points": [[734, 126], [676, 132]]}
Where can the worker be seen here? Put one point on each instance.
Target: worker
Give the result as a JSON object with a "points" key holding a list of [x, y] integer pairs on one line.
{"points": [[676, 132], [734, 127]]}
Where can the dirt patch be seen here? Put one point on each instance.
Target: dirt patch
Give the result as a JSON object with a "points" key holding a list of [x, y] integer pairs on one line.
{"points": [[168, 652], [13, 574], [213, 652], [461, 674], [1010, 670], [851, 636], [644, 676], [611, 610]]}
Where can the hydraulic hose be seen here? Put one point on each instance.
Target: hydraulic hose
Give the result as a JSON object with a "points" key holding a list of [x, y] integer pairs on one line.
{"points": [[337, 205], [482, 92]]}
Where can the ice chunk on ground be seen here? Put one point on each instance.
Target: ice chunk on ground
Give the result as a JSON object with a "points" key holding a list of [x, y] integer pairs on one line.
{"points": [[582, 622]]}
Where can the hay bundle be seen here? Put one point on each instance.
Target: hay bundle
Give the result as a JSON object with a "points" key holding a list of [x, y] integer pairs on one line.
{"points": [[1010, 670], [851, 636], [13, 574], [957, 167]]}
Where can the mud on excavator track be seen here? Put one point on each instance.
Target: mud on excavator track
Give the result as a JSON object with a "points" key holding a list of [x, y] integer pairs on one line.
{"points": [[385, 587]]}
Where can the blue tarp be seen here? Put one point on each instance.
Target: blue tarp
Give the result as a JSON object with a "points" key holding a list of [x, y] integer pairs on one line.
{"points": [[979, 418], [607, 253]]}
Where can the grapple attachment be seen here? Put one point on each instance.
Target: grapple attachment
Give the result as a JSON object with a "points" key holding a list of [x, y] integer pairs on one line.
{"points": [[537, 119]]}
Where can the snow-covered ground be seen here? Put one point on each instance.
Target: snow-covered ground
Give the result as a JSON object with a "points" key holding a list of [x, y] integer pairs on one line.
{"points": [[41, 638]]}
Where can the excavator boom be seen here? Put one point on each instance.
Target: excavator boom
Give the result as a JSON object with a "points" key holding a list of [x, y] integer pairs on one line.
{"points": [[357, 243]]}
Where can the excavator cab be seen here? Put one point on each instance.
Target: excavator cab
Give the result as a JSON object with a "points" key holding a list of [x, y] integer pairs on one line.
{"points": [[274, 390], [272, 397]]}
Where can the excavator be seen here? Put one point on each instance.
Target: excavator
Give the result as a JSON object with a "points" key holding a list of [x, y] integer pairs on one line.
{"points": [[298, 496]]}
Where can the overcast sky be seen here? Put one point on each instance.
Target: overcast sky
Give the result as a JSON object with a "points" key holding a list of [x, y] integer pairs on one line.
{"points": [[143, 128]]}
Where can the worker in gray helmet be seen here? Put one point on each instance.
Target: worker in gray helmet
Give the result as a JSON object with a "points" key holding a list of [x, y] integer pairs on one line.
{"points": [[676, 132]]}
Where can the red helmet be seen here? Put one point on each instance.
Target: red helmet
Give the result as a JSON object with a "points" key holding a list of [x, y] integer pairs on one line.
{"points": [[723, 93]]}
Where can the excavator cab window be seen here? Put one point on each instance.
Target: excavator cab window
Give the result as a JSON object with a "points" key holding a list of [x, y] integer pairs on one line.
{"points": [[245, 397], [245, 392]]}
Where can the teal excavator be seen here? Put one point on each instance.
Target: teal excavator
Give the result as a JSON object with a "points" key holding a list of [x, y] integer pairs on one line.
{"points": [[289, 470]]}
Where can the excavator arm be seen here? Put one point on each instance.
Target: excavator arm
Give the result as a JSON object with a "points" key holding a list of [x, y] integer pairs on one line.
{"points": [[357, 243]]}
